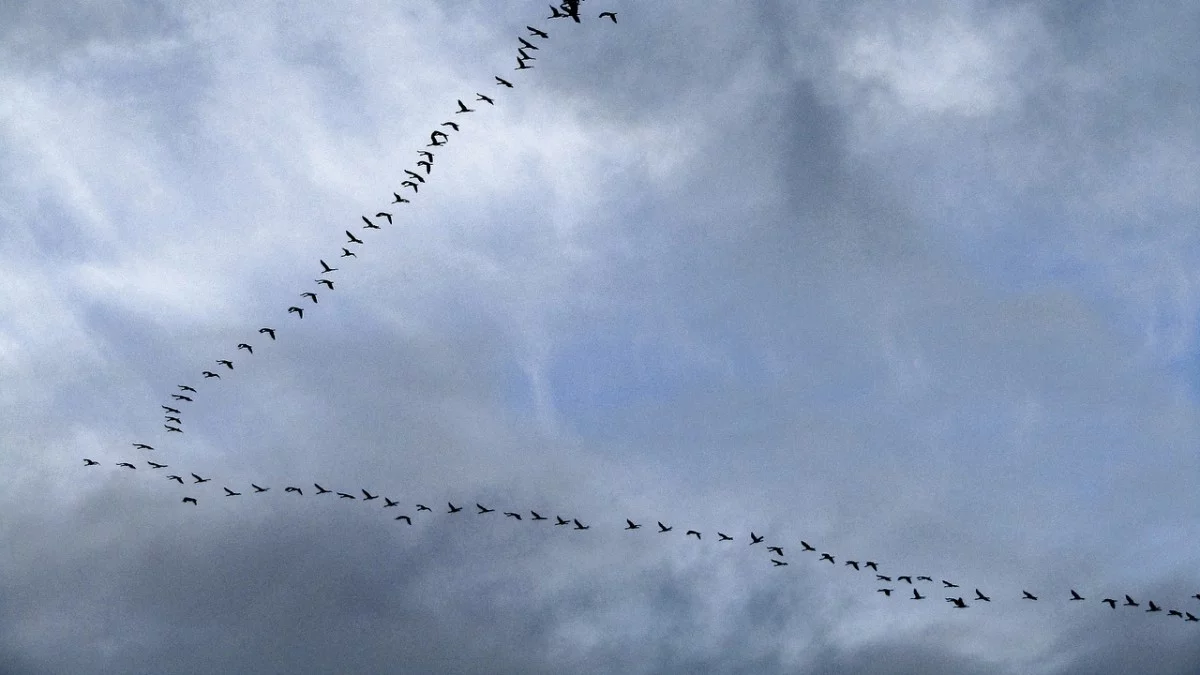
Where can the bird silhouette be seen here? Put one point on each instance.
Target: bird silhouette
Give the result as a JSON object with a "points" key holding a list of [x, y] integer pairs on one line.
{"points": [[310, 295], [416, 176], [169, 409], [156, 465], [422, 507], [171, 428], [778, 563], [555, 14], [561, 521], [405, 519], [947, 584], [581, 526], [981, 596], [176, 420], [541, 34], [345, 495], [426, 154], [1110, 602], [259, 489], [917, 595], [510, 514], [428, 167], [225, 362], [411, 184], [181, 397], [872, 565], [755, 539], [269, 331], [483, 509], [321, 490], [453, 508], [1076, 596], [189, 500], [826, 556], [925, 578], [384, 214], [184, 387], [721, 536], [297, 311], [353, 239], [537, 516], [177, 479], [958, 603], [367, 496], [880, 577], [127, 465], [610, 15], [208, 373], [630, 525], [325, 268], [1175, 612], [886, 591], [691, 532], [90, 462], [1153, 607], [485, 99], [503, 82], [387, 503], [325, 282], [400, 200], [1026, 595], [369, 225], [453, 126], [904, 577], [851, 563], [777, 550], [143, 446], [243, 345], [1190, 617], [462, 108], [347, 253], [526, 43], [521, 65], [663, 528], [1196, 596], [294, 489], [231, 493], [804, 546], [523, 56], [1129, 602]]}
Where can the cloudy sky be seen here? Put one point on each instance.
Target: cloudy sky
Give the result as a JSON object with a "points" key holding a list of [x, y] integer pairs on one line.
{"points": [[913, 282]]}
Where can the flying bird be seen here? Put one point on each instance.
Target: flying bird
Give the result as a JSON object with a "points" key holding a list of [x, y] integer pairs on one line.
{"points": [[387, 502], [611, 15], [721, 536], [428, 167], [925, 578], [176, 420], [297, 311], [462, 108], [947, 584], [310, 295], [90, 462], [1154, 607], [259, 489], [411, 184], [1190, 617], [581, 526], [826, 556], [344, 495], [405, 519], [630, 525], [852, 563], [777, 550], [243, 345], [453, 508], [917, 595], [1076, 596], [143, 446], [173, 411], [399, 200], [294, 489], [483, 509], [171, 428], [156, 465], [225, 362], [691, 532], [981, 596], [453, 126], [426, 154], [177, 479], [872, 565], [510, 514], [268, 331], [325, 282], [367, 496], [321, 490], [562, 521], [189, 500], [422, 507], [416, 176], [663, 528], [885, 591], [184, 387], [325, 268], [880, 577], [1175, 612], [521, 65], [778, 563], [127, 465], [1129, 602], [806, 547], [526, 43], [208, 373], [537, 516], [503, 82], [1110, 602], [959, 603], [231, 493], [1028, 596], [486, 99], [755, 539], [534, 31], [555, 14], [521, 55], [353, 239], [904, 577], [347, 253], [384, 214], [369, 225]]}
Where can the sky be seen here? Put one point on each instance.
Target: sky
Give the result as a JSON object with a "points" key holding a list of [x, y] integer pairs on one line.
{"points": [[913, 282]]}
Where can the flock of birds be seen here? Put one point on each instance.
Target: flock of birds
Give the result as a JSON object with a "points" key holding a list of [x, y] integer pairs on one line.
{"points": [[888, 584]]}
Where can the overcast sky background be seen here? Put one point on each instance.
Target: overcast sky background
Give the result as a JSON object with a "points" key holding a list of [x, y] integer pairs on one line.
{"points": [[915, 282]]}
